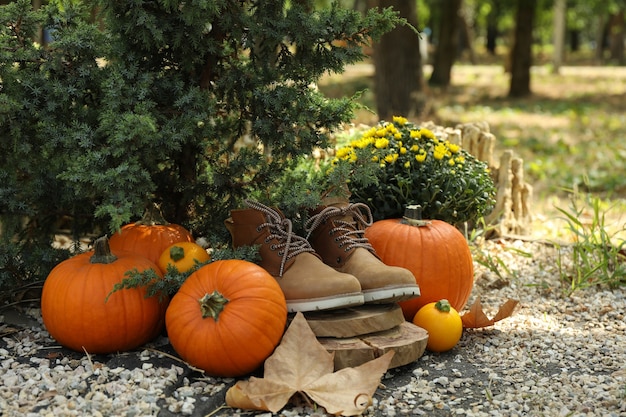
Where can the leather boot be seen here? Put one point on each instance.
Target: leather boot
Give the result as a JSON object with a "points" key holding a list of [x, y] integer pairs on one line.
{"points": [[337, 233], [307, 283]]}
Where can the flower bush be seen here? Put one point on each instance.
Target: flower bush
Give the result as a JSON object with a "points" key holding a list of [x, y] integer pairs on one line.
{"points": [[394, 164]]}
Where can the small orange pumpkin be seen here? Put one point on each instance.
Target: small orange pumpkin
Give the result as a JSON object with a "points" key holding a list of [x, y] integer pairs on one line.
{"points": [[149, 236], [227, 317], [443, 324], [182, 256], [80, 312], [435, 252]]}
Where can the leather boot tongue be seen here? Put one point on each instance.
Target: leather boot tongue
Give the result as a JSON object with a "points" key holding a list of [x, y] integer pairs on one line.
{"points": [[335, 201]]}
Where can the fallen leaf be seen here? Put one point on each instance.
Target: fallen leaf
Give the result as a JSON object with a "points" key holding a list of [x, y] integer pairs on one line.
{"points": [[300, 364], [476, 318]]}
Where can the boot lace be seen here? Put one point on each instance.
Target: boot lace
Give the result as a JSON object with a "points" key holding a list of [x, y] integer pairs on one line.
{"points": [[350, 233], [280, 228]]}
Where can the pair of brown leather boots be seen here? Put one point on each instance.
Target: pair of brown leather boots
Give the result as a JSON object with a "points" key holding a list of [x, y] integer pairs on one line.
{"points": [[334, 267]]}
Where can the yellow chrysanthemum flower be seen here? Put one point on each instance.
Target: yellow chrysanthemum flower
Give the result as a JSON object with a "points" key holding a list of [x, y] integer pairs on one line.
{"points": [[415, 134], [381, 143], [451, 162], [438, 155], [343, 152], [428, 134], [454, 148], [400, 120], [391, 158], [407, 164], [415, 148], [370, 132], [402, 150], [420, 157]]}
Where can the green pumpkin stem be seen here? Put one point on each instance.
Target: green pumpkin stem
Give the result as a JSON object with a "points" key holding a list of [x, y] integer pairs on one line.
{"points": [[413, 216], [102, 252], [443, 306], [153, 216], [211, 305], [177, 253]]}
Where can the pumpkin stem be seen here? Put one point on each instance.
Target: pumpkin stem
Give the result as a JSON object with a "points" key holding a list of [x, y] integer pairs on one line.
{"points": [[443, 306], [413, 216], [177, 253], [153, 216], [211, 305], [102, 252]]}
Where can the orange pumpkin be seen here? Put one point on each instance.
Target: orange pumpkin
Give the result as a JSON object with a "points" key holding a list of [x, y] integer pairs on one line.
{"points": [[227, 317], [80, 312], [150, 236], [182, 256], [443, 324], [435, 252]]}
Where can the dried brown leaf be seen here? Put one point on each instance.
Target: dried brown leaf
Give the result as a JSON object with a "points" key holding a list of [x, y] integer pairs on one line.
{"points": [[476, 318], [301, 364], [349, 391]]}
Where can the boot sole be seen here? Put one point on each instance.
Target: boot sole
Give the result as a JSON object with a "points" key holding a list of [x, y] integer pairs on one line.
{"points": [[326, 303], [391, 294]]}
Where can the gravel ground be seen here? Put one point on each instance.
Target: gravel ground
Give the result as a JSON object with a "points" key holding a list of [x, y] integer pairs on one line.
{"points": [[556, 356]]}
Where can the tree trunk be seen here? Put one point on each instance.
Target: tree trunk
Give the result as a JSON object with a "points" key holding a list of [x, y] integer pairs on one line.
{"points": [[616, 37], [399, 77], [599, 41], [521, 54], [574, 40], [560, 9], [448, 44], [492, 28]]}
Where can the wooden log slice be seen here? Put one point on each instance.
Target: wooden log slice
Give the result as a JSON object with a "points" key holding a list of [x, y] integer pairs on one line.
{"points": [[350, 322], [407, 340]]}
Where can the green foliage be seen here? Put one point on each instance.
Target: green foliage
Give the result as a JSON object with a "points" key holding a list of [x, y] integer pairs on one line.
{"points": [[194, 105], [171, 281], [597, 257], [395, 164], [24, 263]]}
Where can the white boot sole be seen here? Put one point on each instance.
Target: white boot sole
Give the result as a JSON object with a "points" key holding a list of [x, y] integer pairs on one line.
{"points": [[326, 303], [391, 294]]}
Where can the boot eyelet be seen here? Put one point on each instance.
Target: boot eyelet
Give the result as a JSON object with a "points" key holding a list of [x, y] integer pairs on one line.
{"points": [[273, 247], [339, 260], [281, 252], [259, 229]]}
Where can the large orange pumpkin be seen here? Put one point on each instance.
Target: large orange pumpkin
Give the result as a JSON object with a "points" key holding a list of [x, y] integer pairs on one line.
{"points": [[227, 317], [435, 252], [80, 312], [150, 236]]}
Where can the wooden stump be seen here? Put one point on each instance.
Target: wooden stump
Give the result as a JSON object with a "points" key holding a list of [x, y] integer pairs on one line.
{"points": [[359, 334], [407, 340], [512, 212]]}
